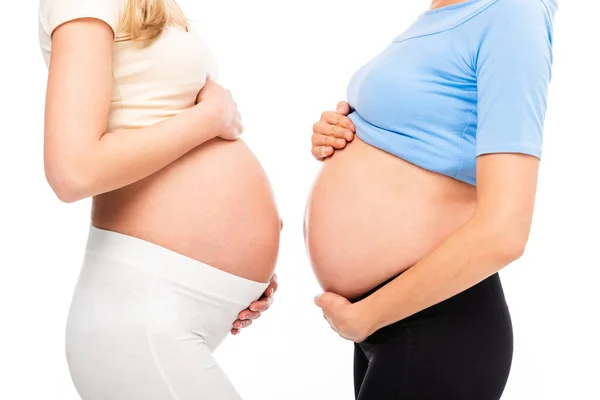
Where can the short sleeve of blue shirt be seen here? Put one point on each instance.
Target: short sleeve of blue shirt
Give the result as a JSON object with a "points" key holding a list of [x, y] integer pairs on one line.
{"points": [[464, 80], [513, 69]]}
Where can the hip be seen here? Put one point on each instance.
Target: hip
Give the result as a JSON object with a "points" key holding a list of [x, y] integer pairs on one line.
{"points": [[474, 305], [460, 348], [129, 287]]}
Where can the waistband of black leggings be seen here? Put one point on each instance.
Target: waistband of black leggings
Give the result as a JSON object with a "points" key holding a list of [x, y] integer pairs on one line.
{"points": [[487, 294]]}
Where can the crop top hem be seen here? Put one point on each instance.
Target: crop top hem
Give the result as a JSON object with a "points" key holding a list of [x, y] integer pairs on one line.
{"points": [[407, 155]]}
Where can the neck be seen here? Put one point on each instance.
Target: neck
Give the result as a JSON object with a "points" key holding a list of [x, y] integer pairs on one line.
{"points": [[443, 3]]}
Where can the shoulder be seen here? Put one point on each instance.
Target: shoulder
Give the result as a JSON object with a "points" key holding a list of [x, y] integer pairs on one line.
{"points": [[509, 20], [522, 10], [515, 22], [56, 12]]}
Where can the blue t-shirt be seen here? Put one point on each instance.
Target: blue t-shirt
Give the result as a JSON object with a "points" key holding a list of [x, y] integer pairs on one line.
{"points": [[463, 80]]}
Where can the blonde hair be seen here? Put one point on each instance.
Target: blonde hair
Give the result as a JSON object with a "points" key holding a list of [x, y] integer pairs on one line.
{"points": [[145, 20]]}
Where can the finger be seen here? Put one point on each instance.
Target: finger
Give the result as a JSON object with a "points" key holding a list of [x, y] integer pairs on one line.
{"points": [[239, 131], [329, 302], [247, 314], [343, 108], [240, 324], [320, 139], [237, 324], [261, 305], [234, 331], [318, 301], [246, 323], [327, 129], [322, 152], [330, 323], [340, 132], [271, 289], [255, 315], [334, 118]]}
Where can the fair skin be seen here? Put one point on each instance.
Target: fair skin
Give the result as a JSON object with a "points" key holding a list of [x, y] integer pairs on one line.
{"points": [[82, 159], [96, 161], [495, 236], [247, 316], [443, 3], [334, 130]]}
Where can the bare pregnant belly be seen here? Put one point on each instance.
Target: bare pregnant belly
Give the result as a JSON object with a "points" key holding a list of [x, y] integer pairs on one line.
{"points": [[372, 215], [215, 204]]}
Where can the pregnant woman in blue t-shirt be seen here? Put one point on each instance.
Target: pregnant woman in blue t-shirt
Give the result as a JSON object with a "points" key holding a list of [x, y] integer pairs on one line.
{"points": [[408, 225]]}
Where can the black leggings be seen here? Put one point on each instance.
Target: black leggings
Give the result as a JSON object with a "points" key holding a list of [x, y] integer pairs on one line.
{"points": [[459, 349]]}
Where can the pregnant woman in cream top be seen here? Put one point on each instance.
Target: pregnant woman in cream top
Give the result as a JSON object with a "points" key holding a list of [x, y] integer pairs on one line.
{"points": [[184, 229], [408, 225]]}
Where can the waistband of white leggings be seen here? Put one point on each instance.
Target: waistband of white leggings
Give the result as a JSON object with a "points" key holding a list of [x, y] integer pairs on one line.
{"points": [[172, 266]]}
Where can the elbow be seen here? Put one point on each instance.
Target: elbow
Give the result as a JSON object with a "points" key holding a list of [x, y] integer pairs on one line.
{"points": [[510, 244], [510, 252], [67, 188], [68, 181], [66, 194]]}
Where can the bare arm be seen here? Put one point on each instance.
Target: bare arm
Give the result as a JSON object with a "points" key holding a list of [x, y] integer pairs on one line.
{"points": [[513, 70], [81, 159], [494, 237]]}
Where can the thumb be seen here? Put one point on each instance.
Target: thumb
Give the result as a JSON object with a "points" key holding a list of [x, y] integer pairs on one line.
{"points": [[327, 301], [318, 300]]}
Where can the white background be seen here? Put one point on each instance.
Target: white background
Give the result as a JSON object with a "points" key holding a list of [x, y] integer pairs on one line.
{"points": [[286, 62]]}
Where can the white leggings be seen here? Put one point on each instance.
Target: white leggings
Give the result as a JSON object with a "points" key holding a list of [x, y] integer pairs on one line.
{"points": [[145, 320]]}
